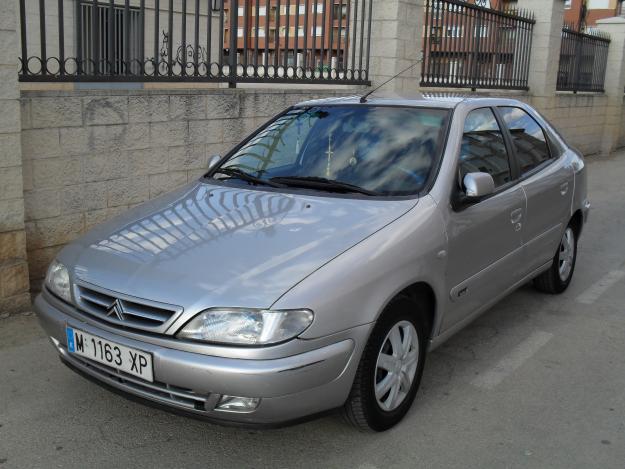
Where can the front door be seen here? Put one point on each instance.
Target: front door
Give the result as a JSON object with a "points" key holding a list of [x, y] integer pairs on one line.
{"points": [[484, 238]]}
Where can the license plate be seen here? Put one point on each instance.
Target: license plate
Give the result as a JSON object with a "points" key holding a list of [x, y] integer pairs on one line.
{"points": [[120, 357]]}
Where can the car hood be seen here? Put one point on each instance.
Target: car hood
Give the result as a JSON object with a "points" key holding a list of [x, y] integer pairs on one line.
{"points": [[214, 245]]}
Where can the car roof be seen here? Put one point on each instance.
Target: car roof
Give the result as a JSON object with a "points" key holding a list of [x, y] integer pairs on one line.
{"points": [[439, 100]]}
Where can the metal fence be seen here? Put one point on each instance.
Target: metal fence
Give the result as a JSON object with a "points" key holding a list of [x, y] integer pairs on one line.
{"points": [[583, 60], [470, 46], [234, 41]]}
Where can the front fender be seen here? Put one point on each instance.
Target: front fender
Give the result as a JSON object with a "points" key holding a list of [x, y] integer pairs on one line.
{"points": [[354, 288]]}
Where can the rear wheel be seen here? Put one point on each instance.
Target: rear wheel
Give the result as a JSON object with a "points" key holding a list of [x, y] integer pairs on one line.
{"points": [[390, 369], [559, 275]]}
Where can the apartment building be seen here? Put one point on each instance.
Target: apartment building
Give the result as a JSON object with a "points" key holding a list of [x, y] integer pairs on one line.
{"points": [[300, 33]]}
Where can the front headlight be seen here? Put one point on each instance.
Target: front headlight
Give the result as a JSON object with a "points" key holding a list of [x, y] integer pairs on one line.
{"points": [[246, 326], [57, 280]]}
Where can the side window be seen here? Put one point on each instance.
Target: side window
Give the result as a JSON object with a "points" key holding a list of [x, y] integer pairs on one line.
{"points": [[529, 138], [483, 148]]}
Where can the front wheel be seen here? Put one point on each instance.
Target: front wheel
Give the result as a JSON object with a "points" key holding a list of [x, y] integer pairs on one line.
{"points": [[390, 369], [559, 275]]}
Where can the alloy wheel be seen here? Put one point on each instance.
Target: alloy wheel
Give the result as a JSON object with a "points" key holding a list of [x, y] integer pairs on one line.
{"points": [[396, 365], [566, 254]]}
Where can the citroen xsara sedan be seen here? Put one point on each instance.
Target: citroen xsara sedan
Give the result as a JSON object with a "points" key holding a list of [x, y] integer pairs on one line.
{"points": [[315, 265]]}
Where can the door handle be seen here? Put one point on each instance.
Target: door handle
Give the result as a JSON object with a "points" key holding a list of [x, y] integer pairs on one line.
{"points": [[564, 188], [516, 215]]}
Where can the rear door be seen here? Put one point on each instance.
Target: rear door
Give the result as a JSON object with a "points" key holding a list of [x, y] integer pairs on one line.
{"points": [[484, 238], [547, 181]]}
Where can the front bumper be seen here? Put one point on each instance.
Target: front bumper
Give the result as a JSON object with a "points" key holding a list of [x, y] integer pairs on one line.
{"points": [[289, 387]]}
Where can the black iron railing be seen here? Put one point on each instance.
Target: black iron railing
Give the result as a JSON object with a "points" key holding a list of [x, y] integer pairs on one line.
{"points": [[308, 41], [470, 46], [583, 60]]}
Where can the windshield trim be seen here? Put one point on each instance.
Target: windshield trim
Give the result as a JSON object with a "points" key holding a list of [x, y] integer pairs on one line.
{"points": [[427, 187]]}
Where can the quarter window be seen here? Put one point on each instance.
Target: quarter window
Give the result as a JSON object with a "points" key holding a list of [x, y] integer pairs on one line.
{"points": [[483, 149], [528, 138]]}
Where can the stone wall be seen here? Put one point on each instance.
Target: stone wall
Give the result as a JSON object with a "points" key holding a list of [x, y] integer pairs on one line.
{"points": [[89, 155], [13, 267]]}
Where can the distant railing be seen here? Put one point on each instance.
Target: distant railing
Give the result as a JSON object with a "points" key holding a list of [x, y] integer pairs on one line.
{"points": [[469, 46], [583, 60], [234, 41]]}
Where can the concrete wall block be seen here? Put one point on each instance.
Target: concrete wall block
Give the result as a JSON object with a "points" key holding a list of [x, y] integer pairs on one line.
{"points": [[40, 143], [10, 150], [147, 161], [206, 131], [236, 129], [106, 110], [128, 191], [95, 217], [168, 133], [137, 136], [83, 197], [13, 279], [163, 183], [25, 114], [8, 82], [223, 106], [39, 259], [148, 108], [16, 304], [107, 137], [8, 43], [8, 15], [40, 204], [57, 172], [262, 104], [12, 245], [11, 214], [185, 107], [9, 117], [104, 166], [188, 157], [54, 231], [54, 112], [11, 183]]}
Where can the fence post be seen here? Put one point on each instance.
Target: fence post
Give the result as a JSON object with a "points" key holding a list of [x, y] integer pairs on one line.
{"points": [[396, 43], [614, 83], [547, 37], [14, 283]]}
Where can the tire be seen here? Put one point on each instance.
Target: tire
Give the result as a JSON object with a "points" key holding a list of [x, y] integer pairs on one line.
{"points": [[558, 277], [363, 409]]}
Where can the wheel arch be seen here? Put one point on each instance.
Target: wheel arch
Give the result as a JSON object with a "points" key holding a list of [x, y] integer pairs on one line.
{"points": [[424, 293], [577, 222]]}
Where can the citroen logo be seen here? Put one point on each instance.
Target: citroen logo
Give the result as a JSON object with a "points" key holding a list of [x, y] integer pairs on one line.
{"points": [[117, 309]]}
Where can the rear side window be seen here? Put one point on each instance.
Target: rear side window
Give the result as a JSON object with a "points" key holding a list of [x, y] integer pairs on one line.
{"points": [[528, 138], [483, 149]]}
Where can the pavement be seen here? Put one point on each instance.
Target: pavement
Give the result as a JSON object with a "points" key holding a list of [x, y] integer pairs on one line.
{"points": [[538, 381]]}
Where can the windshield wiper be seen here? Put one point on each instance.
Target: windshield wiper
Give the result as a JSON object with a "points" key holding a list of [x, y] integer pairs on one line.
{"points": [[314, 182], [237, 173]]}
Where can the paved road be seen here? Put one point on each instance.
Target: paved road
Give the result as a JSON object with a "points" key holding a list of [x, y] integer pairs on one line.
{"points": [[538, 381]]}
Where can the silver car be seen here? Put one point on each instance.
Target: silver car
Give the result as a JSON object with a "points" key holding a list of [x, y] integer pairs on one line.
{"points": [[315, 265]]}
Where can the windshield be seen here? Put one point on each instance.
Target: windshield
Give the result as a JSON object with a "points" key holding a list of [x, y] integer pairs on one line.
{"points": [[375, 150]]}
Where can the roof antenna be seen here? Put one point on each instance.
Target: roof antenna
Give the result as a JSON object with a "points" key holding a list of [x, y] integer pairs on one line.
{"points": [[363, 98]]}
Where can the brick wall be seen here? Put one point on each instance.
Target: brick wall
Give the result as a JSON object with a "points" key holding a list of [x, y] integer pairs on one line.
{"points": [[89, 155], [13, 267]]}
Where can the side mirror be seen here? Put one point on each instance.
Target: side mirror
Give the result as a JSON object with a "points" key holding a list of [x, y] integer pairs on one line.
{"points": [[478, 185], [213, 160]]}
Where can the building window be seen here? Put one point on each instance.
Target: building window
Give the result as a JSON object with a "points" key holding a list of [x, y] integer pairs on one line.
{"points": [[111, 51], [567, 4], [319, 8], [318, 33]]}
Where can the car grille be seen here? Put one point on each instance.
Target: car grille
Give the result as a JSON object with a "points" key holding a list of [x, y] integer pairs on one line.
{"points": [[125, 311], [156, 391]]}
